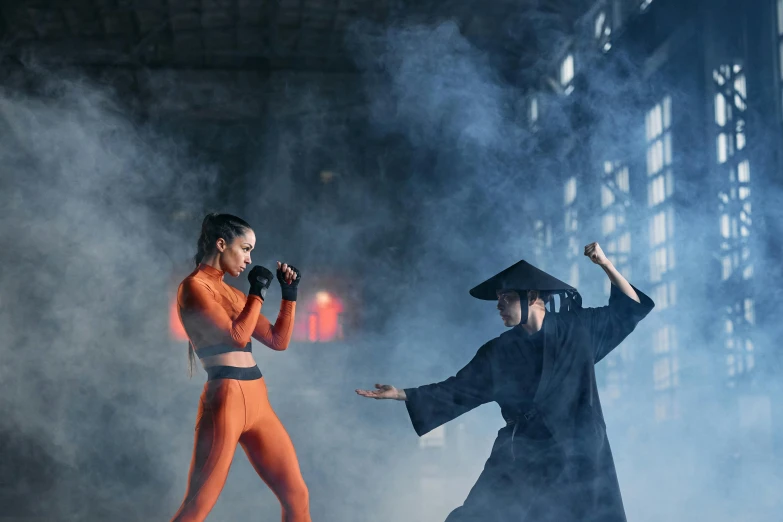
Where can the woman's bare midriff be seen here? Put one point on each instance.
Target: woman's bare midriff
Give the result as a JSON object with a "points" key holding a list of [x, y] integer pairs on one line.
{"points": [[238, 359]]}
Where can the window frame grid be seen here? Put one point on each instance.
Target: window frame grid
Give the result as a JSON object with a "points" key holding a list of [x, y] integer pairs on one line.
{"points": [[661, 254], [734, 169]]}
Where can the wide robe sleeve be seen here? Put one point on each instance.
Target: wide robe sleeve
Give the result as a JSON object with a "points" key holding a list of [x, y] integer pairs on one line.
{"points": [[432, 405], [609, 325]]}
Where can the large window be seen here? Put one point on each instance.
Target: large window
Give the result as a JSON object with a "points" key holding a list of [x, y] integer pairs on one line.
{"points": [[603, 30], [780, 49], [660, 189], [616, 242], [666, 372], [571, 230], [542, 245], [736, 223], [616, 237], [567, 73], [434, 439], [532, 110], [662, 262]]}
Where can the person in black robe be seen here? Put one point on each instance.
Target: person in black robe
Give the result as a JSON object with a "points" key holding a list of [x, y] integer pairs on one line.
{"points": [[552, 461]]}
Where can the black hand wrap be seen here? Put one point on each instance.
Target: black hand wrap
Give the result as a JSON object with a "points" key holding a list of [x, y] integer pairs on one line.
{"points": [[260, 278], [288, 289]]}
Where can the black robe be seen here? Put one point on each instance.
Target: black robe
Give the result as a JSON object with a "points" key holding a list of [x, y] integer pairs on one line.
{"points": [[552, 462]]}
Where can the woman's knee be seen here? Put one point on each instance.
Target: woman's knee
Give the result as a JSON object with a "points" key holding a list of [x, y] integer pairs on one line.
{"points": [[296, 496]]}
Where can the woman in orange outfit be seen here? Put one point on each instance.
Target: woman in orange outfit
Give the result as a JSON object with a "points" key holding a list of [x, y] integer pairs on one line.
{"points": [[234, 408]]}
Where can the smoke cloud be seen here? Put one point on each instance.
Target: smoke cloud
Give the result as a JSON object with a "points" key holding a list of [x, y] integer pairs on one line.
{"points": [[408, 183]]}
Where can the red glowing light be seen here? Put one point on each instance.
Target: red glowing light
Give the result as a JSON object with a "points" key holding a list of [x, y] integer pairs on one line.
{"points": [[176, 330], [321, 321], [323, 299]]}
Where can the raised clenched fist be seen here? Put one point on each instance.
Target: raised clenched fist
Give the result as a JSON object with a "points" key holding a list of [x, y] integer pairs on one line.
{"points": [[596, 254]]}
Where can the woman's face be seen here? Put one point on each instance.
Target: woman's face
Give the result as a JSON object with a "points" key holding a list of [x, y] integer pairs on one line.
{"points": [[235, 256]]}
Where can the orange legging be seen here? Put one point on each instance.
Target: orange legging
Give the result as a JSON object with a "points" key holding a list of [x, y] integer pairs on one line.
{"points": [[234, 411]]}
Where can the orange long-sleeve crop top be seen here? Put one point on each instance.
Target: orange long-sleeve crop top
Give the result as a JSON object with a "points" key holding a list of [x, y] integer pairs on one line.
{"points": [[218, 318]]}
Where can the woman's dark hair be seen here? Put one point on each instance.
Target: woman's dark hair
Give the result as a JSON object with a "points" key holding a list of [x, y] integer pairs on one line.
{"points": [[214, 227]]}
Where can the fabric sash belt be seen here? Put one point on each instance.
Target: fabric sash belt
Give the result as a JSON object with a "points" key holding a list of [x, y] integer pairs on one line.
{"points": [[217, 349], [233, 372]]}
